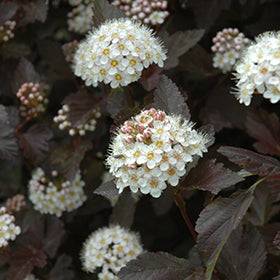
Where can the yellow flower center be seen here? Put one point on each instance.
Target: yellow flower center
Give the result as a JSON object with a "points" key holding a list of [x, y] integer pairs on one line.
{"points": [[101, 38], [106, 51], [102, 72], [114, 63], [132, 62], [118, 77]]}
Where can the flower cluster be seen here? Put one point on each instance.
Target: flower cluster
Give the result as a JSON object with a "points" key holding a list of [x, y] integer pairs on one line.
{"points": [[88, 125], [15, 204], [259, 69], [117, 52], [55, 195], [80, 18], [151, 149], [228, 45], [110, 248], [32, 100], [6, 31], [30, 277], [151, 12], [69, 50], [8, 230]]}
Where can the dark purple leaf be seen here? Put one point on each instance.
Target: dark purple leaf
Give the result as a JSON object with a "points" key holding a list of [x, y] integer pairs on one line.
{"points": [[107, 189], [54, 230], [269, 232], [123, 211], [7, 11], [255, 163], [61, 269], [179, 43], [81, 105], [274, 188], [8, 143], [265, 128], [117, 102], [215, 224], [168, 98], [15, 49], [276, 240], [67, 159], [243, 256], [103, 10], [150, 77], [197, 275], [125, 114], [211, 176], [151, 266], [34, 10], [24, 73], [4, 117], [260, 210], [276, 278], [164, 203], [14, 118], [34, 142]]}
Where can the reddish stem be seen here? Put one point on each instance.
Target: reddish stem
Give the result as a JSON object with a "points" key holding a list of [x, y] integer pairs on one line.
{"points": [[30, 117]]}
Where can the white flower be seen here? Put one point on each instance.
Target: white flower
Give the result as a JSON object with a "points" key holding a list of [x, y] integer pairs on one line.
{"points": [[6, 30], [55, 195], [151, 150], [227, 47], [8, 230], [258, 71], [116, 53], [110, 248]]}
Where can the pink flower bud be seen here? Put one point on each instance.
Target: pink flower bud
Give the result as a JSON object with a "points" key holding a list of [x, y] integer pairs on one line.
{"points": [[128, 139], [147, 132], [140, 128], [140, 137], [132, 166]]}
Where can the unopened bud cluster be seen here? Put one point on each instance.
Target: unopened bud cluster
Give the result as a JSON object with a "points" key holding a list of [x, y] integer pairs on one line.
{"points": [[152, 12], [55, 195], [152, 149], [80, 18], [228, 45], [32, 100], [69, 50], [110, 249], [88, 125], [15, 204], [8, 230], [6, 31], [258, 71]]}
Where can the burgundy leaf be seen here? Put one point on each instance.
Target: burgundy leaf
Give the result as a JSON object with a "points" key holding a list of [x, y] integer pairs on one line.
{"points": [[107, 189], [61, 269], [15, 49], [211, 176], [8, 143], [4, 117], [81, 105], [123, 211], [265, 128], [215, 224], [255, 163], [150, 77], [7, 11], [197, 275], [276, 240], [269, 232], [168, 98], [151, 266], [117, 102], [24, 73], [274, 188], [67, 159], [243, 256], [164, 203], [34, 142], [103, 10], [179, 43], [125, 114]]}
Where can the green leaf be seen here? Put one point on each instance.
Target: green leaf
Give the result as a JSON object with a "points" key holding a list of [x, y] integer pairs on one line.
{"points": [[215, 224]]}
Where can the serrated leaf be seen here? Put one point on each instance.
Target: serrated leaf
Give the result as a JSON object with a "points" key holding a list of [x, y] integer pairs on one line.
{"points": [[4, 118], [255, 163], [123, 211], [260, 210], [103, 10], [107, 189], [265, 128], [24, 73], [67, 159], [215, 224], [268, 232], [151, 266], [179, 43], [15, 49], [116, 102], [211, 176], [150, 77], [197, 275], [8, 143], [7, 11], [34, 142], [81, 105], [243, 256], [168, 98], [61, 269]]}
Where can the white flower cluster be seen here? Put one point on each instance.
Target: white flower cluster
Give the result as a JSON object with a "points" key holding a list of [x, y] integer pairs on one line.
{"points": [[151, 149], [259, 69], [151, 12], [32, 100], [80, 18], [6, 31], [116, 53], [227, 47], [55, 195], [110, 248], [30, 277], [88, 125], [8, 230]]}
